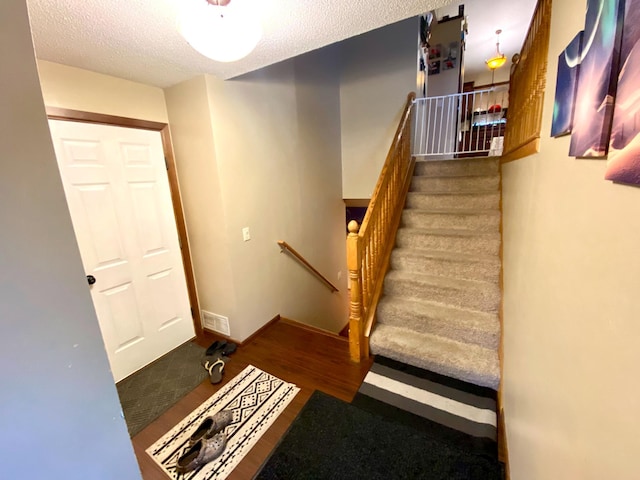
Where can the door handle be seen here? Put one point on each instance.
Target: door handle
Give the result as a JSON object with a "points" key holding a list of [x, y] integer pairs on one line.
{"points": [[91, 279]]}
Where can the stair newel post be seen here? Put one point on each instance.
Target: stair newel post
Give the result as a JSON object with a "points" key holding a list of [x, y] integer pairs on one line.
{"points": [[354, 259]]}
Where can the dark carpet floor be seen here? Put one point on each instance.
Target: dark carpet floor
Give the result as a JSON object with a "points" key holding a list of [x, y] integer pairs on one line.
{"points": [[421, 416], [150, 392], [335, 440]]}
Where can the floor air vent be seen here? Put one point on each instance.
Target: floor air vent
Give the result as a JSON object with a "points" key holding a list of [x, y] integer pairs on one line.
{"points": [[215, 322]]}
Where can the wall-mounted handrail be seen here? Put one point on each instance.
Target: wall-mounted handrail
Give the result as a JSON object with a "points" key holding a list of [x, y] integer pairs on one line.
{"points": [[285, 247]]}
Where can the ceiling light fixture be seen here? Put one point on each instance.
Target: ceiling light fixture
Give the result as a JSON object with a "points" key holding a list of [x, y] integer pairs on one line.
{"points": [[223, 30], [500, 59]]}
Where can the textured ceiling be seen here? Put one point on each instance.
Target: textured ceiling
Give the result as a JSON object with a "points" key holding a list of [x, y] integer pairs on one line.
{"points": [[139, 39]]}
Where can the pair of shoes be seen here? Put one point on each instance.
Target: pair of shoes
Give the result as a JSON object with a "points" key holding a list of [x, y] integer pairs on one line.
{"points": [[201, 453], [211, 426], [216, 357], [220, 348], [206, 443]]}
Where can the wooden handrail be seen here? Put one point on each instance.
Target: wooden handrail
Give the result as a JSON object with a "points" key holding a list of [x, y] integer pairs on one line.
{"points": [[526, 88], [286, 247], [369, 246]]}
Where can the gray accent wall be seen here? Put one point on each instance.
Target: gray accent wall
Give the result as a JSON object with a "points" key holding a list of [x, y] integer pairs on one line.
{"points": [[60, 416]]}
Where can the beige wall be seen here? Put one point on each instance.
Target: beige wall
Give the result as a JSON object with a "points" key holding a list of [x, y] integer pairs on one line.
{"points": [[571, 312], [194, 148], [275, 158], [379, 70], [59, 409], [77, 89]]}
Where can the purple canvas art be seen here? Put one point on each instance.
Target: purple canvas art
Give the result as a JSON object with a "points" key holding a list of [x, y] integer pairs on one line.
{"points": [[624, 150], [598, 78], [566, 87]]}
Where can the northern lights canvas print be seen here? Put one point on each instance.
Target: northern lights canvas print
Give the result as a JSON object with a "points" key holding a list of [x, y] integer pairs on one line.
{"points": [[566, 87], [624, 149], [598, 78]]}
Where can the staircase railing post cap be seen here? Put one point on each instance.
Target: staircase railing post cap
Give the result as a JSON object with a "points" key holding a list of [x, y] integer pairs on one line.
{"points": [[353, 226]]}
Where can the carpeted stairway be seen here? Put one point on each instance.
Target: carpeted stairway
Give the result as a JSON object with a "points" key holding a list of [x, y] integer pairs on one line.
{"points": [[442, 292]]}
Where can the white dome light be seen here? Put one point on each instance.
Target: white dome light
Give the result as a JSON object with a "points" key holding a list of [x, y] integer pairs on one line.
{"points": [[223, 33]]}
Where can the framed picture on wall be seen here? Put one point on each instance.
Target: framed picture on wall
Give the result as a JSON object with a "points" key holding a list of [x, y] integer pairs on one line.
{"points": [[624, 149], [598, 78], [566, 87], [434, 67], [435, 51]]}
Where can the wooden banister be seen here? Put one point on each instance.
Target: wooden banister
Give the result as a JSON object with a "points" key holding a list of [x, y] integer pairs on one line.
{"points": [[285, 247], [369, 246], [526, 88]]}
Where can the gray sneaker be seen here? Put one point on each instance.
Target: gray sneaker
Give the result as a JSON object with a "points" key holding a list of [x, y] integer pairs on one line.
{"points": [[212, 425], [201, 453]]}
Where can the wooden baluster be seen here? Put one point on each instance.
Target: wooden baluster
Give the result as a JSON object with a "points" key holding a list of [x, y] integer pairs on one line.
{"points": [[356, 327], [364, 262]]}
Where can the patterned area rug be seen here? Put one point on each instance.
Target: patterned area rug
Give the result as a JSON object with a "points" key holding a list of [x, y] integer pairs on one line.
{"points": [[256, 398], [150, 392], [445, 408]]}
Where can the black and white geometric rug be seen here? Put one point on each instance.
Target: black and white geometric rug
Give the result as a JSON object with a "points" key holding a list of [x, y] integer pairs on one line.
{"points": [[256, 399], [448, 409]]}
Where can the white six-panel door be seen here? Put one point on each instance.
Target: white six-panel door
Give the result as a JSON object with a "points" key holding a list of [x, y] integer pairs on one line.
{"points": [[116, 185]]}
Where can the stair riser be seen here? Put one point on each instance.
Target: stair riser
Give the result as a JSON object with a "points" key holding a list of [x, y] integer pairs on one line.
{"points": [[485, 201], [455, 185], [474, 244], [447, 268], [441, 327], [442, 368], [479, 222], [485, 300], [457, 168], [437, 365]]}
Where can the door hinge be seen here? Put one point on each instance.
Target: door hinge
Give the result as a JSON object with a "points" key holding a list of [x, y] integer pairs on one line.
{"points": [[193, 315], [166, 163]]}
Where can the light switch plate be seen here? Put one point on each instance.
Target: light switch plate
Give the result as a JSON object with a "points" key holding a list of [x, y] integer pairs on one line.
{"points": [[246, 236]]}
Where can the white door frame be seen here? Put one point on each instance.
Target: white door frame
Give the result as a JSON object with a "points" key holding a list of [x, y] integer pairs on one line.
{"points": [[55, 113]]}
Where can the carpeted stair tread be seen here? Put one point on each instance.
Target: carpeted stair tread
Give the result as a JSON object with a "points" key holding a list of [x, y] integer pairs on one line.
{"points": [[446, 263], [470, 294], [455, 240], [485, 220], [456, 168], [470, 363], [453, 201], [463, 184], [471, 326], [441, 294]]}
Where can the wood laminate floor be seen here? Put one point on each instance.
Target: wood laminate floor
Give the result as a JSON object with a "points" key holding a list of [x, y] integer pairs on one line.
{"points": [[311, 359]]}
